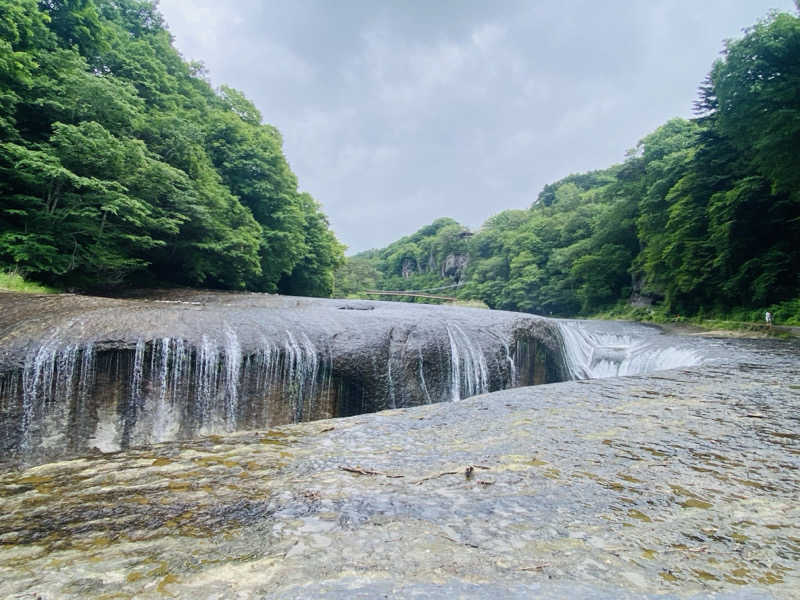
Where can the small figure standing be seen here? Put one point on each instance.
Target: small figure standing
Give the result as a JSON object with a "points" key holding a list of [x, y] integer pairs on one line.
{"points": [[768, 318]]}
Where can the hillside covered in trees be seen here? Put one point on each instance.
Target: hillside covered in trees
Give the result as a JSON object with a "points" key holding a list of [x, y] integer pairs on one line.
{"points": [[703, 215], [120, 165]]}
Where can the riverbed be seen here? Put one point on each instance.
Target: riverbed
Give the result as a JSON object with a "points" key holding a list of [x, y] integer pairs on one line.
{"points": [[680, 483]]}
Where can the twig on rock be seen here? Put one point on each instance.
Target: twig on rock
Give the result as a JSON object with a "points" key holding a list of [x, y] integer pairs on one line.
{"points": [[535, 568], [360, 471], [437, 476], [447, 537], [467, 473]]}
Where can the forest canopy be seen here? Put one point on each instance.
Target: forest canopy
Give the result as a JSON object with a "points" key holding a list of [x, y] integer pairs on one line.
{"points": [[703, 215], [120, 165]]}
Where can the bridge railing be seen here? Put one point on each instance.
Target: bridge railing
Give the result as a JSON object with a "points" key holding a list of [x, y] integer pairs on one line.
{"points": [[410, 294]]}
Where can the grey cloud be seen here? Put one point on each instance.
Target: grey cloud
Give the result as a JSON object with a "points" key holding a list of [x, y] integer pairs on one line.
{"points": [[396, 113]]}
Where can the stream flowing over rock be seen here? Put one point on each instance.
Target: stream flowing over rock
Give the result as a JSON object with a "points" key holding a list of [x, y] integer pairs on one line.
{"points": [[80, 373], [667, 468]]}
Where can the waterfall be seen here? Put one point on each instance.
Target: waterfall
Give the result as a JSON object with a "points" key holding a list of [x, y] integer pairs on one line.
{"points": [[206, 370], [469, 374], [423, 386], [301, 368], [164, 422], [263, 367], [170, 389], [513, 381], [232, 366], [55, 385], [73, 395], [136, 401], [132, 373], [109, 374], [592, 351]]}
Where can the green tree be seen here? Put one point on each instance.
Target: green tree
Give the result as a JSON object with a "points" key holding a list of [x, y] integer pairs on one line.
{"points": [[313, 274], [756, 101], [121, 165], [248, 157], [355, 275]]}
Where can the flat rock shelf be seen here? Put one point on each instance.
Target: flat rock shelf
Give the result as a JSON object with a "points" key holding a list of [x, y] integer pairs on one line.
{"points": [[678, 484]]}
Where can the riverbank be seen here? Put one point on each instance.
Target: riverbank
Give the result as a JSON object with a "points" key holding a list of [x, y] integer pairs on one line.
{"points": [[13, 282], [681, 483], [732, 326], [726, 329]]}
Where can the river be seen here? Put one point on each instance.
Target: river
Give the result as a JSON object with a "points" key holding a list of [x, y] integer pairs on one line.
{"points": [[672, 472]]}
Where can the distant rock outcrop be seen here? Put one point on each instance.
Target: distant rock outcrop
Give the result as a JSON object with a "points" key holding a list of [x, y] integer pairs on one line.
{"points": [[454, 266]]}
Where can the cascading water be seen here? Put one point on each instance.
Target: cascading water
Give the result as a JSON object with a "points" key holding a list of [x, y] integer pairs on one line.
{"points": [[232, 365], [131, 373], [593, 350], [165, 424], [72, 395], [56, 382], [512, 368], [469, 374], [172, 389], [423, 386], [301, 368]]}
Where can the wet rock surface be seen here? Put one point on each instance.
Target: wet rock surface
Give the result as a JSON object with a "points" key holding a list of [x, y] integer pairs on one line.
{"points": [[682, 483], [80, 372]]}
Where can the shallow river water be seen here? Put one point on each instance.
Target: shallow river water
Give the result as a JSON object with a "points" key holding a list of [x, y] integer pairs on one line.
{"points": [[679, 483]]}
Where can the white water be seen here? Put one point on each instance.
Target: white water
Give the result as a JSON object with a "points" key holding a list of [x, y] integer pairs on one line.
{"points": [[173, 388], [469, 374], [593, 351], [423, 386], [56, 381], [301, 367], [165, 420], [168, 388], [232, 366]]}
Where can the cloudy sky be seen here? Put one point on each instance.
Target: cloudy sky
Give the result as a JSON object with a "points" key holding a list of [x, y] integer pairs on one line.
{"points": [[395, 113]]}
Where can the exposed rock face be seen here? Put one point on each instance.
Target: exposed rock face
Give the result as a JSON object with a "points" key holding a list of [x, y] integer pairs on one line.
{"points": [[454, 265], [80, 372], [408, 268], [640, 301]]}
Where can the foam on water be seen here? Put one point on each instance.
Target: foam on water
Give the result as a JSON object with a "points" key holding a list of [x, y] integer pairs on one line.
{"points": [[593, 351]]}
